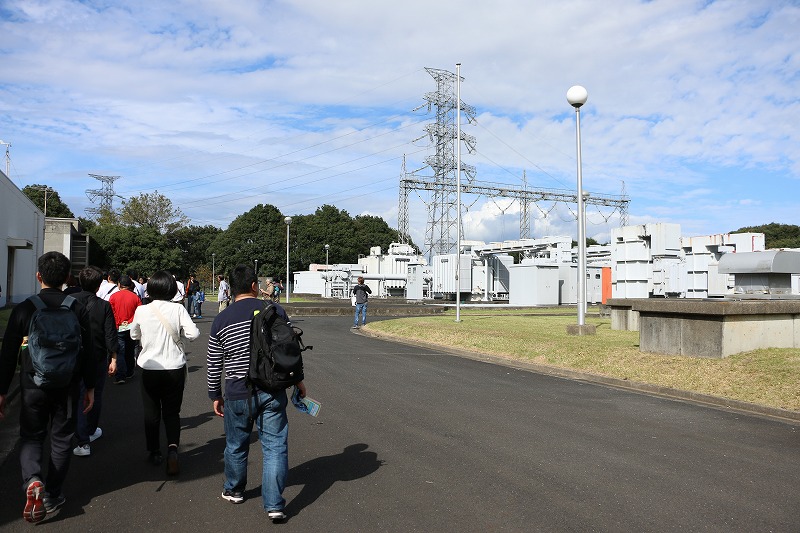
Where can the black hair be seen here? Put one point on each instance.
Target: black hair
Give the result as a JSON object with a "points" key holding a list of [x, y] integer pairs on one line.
{"points": [[54, 267], [132, 273], [242, 278], [126, 282], [162, 286], [113, 275], [90, 278]]}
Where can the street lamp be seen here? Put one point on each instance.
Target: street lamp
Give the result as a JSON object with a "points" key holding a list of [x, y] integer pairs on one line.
{"points": [[256, 268], [288, 221], [213, 272], [327, 247], [458, 192], [577, 96]]}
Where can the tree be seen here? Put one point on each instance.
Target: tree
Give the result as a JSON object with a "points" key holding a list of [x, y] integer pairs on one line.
{"points": [[54, 208], [776, 235], [194, 244], [124, 247], [152, 210], [259, 234], [310, 234]]}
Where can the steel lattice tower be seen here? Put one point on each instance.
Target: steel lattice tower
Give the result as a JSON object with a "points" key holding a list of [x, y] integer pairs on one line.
{"points": [[442, 186], [440, 236], [105, 194]]}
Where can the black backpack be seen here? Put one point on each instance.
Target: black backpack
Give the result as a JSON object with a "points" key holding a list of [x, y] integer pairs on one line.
{"points": [[54, 343], [276, 347]]}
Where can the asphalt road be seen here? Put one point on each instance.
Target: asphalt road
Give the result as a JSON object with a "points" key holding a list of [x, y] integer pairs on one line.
{"points": [[410, 439]]}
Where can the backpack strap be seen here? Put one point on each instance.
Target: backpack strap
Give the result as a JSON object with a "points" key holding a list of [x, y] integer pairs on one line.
{"points": [[39, 303]]}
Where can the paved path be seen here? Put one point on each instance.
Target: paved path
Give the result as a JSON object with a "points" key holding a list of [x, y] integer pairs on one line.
{"points": [[413, 439]]}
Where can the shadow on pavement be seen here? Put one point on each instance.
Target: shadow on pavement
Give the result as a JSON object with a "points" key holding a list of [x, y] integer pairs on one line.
{"points": [[318, 475]]}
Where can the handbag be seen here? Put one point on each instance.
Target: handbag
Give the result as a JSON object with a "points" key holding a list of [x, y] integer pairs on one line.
{"points": [[353, 300]]}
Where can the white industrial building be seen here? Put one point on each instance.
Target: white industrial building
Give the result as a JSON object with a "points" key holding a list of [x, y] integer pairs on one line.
{"points": [[643, 261], [22, 226], [653, 260]]}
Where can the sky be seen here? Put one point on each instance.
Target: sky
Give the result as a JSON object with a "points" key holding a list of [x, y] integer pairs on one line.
{"points": [[693, 106]]}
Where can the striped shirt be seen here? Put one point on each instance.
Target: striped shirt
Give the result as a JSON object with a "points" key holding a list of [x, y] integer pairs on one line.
{"points": [[229, 348]]}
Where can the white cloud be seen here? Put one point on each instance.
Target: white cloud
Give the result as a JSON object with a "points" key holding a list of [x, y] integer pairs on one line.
{"points": [[688, 102]]}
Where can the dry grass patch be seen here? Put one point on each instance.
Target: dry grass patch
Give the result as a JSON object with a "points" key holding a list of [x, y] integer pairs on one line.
{"points": [[767, 377]]}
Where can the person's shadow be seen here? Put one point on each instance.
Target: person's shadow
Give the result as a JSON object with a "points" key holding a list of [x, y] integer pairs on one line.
{"points": [[318, 475]]}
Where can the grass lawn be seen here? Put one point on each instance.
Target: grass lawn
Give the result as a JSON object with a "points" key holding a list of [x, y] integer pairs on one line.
{"points": [[766, 377]]}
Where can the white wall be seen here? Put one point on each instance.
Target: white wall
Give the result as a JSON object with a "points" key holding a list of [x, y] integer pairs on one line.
{"points": [[21, 223]]}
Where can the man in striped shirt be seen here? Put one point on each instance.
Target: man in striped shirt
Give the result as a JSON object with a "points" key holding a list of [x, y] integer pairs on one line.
{"points": [[229, 352]]}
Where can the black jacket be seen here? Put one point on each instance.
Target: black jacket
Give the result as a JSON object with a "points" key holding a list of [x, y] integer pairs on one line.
{"points": [[104, 327], [18, 326]]}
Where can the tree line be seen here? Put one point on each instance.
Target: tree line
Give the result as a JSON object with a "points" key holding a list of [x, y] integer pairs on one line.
{"points": [[147, 233]]}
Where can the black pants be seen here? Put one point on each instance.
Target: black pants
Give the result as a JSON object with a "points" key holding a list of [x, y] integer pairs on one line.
{"points": [[162, 395], [40, 409]]}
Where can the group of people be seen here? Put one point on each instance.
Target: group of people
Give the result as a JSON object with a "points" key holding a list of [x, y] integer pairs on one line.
{"points": [[116, 312], [191, 295]]}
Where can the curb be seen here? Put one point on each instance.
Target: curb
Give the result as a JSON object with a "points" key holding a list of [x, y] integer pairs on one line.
{"points": [[716, 402]]}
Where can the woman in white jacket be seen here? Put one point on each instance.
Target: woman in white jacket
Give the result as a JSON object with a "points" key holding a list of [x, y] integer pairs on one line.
{"points": [[160, 326]]}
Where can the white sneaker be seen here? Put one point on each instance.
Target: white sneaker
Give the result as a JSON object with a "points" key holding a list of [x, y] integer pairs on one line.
{"points": [[276, 516], [82, 451], [96, 435]]}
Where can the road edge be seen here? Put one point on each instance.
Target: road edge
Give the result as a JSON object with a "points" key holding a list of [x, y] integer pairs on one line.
{"points": [[716, 402]]}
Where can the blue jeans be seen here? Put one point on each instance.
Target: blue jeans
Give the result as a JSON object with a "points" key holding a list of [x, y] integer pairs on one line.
{"points": [[190, 303], [360, 308], [126, 354], [269, 411]]}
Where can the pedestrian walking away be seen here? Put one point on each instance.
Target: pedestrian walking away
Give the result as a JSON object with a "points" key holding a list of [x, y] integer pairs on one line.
{"points": [[104, 339], [361, 293], [192, 288], [229, 352], [45, 401], [124, 304], [161, 326]]}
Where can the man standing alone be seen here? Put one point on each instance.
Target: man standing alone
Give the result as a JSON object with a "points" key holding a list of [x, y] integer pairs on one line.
{"points": [[361, 292], [224, 294], [229, 347]]}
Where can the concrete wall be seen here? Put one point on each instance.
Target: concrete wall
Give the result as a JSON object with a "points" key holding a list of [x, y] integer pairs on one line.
{"points": [[706, 328]]}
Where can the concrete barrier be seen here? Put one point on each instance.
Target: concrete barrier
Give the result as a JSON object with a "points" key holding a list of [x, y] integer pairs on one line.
{"points": [[709, 328]]}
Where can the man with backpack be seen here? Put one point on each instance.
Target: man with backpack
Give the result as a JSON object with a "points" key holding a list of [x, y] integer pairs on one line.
{"points": [[50, 334], [242, 406]]}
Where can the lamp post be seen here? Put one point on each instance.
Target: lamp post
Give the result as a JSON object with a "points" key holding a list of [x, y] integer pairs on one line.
{"points": [[458, 192], [577, 96], [288, 221], [256, 268], [213, 272], [327, 247]]}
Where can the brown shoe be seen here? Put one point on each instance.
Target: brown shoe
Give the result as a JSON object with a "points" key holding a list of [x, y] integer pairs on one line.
{"points": [[173, 469]]}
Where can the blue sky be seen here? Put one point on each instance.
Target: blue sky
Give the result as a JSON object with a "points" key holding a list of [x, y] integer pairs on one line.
{"points": [[224, 105]]}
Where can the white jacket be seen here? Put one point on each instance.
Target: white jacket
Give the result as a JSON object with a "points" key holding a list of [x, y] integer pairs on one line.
{"points": [[159, 350]]}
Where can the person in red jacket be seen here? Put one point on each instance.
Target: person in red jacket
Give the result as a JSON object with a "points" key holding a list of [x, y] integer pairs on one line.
{"points": [[124, 303]]}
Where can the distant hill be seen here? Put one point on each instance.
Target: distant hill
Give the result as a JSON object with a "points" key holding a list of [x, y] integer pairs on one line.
{"points": [[776, 235]]}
